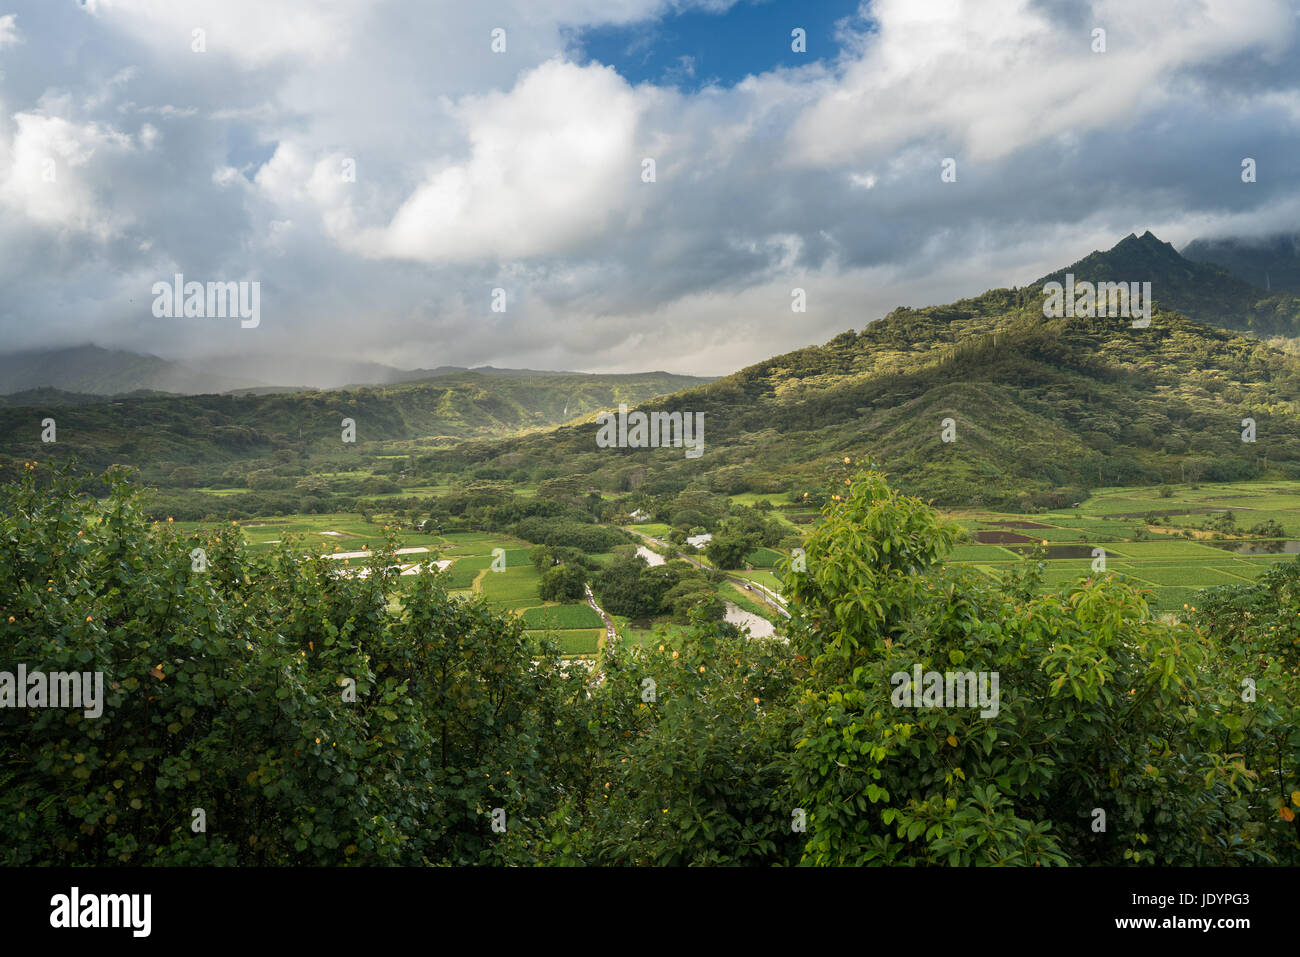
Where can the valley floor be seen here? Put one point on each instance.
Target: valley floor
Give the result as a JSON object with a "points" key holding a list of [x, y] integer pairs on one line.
{"points": [[1173, 541]]}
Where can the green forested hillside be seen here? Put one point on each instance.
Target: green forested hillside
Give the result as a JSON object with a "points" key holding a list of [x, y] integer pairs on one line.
{"points": [[1038, 410], [1042, 410], [209, 429]]}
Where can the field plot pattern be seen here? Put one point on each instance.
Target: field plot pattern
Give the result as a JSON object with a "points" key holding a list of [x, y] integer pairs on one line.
{"points": [[1172, 566]]}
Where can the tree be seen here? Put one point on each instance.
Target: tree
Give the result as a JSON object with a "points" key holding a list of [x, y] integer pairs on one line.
{"points": [[1102, 708], [628, 586], [261, 479], [562, 583], [727, 549], [186, 476], [1257, 627], [694, 596], [692, 776]]}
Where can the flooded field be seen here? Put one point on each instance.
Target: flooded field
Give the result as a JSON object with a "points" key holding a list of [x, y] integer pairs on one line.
{"points": [[1002, 538], [1259, 548]]}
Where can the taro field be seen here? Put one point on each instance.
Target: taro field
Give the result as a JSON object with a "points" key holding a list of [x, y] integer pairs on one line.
{"points": [[1174, 542], [467, 560]]}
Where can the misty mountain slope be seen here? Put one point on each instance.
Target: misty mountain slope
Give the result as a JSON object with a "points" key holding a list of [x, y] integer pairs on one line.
{"points": [[1271, 264], [217, 428], [92, 370]]}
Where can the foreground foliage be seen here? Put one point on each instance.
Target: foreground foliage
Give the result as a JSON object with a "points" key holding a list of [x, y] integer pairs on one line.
{"points": [[1102, 710], [1117, 737]]}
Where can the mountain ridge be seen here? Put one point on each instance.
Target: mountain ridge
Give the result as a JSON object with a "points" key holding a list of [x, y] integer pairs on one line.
{"points": [[1202, 291], [1043, 408], [88, 373]]}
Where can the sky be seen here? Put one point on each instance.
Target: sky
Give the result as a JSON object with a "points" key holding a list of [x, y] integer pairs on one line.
{"points": [[388, 172]]}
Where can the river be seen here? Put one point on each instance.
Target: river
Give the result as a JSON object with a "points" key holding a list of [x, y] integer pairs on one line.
{"points": [[651, 558], [758, 626]]}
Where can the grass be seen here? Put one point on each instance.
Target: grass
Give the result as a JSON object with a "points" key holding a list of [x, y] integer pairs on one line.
{"points": [[763, 557], [1171, 549], [763, 577], [652, 636], [981, 553], [753, 498], [463, 571], [514, 588], [1172, 600], [561, 617], [578, 641], [735, 594], [311, 530], [654, 529], [1188, 576]]}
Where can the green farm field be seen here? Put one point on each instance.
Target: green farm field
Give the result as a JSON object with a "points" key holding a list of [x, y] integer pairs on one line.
{"points": [[576, 627], [562, 617], [654, 635], [1154, 555], [577, 641], [1173, 555]]}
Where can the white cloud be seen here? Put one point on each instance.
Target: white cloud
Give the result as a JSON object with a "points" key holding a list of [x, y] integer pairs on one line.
{"points": [[46, 173], [252, 32], [552, 164], [524, 170], [9, 30], [986, 78]]}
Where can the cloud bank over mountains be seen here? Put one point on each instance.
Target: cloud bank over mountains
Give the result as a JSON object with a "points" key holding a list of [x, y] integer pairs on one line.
{"points": [[381, 170]]}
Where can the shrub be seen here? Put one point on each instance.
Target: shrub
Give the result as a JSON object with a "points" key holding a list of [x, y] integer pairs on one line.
{"points": [[228, 690]]}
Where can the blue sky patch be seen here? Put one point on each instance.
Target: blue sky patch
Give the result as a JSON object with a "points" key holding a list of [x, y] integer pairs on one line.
{"points": [[693, 49]]}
